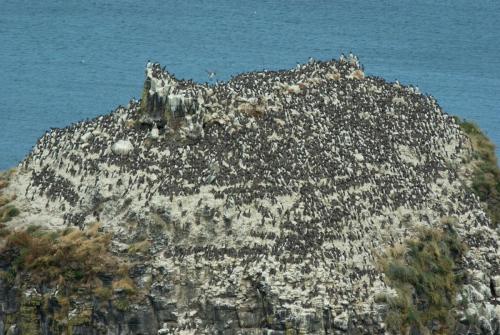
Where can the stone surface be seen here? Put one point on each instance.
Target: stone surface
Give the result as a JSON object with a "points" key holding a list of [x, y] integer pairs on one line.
{"points": [[496, 285], [122, 147], [265, 198]]}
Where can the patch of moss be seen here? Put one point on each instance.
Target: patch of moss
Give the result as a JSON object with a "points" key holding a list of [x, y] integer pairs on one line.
{"points": [[64, 305], [9, 320], [5, 177], [103, 293], [29, 322], [8, 276], [122, 304], [28, 316], [84, 317], [424, 274], [486, 174], [8, 212]]}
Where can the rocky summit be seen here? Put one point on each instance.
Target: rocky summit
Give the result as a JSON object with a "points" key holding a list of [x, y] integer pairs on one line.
{"points": [[264, 202]]}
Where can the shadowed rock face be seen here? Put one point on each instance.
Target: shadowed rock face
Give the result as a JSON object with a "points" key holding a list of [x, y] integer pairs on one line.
{"points": [[168, 102], [264, 198]]}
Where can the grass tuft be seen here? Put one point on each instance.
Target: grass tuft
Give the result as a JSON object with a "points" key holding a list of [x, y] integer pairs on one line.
{"points": [[426, 281], [124, 285], [8, 212], [72, 257], [486, 174], [103, 293], [71, 264]]}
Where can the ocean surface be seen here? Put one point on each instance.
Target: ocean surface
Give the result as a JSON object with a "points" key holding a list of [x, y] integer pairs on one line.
{"points": [[62, 61]]}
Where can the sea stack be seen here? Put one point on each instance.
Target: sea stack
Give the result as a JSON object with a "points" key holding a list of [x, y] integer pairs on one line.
{"points": [[260, 205]]}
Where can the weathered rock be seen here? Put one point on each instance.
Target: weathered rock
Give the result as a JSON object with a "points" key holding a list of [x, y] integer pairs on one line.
{"points": [[485, 326], [155, 132], [122, 147], [263, 202], [86, 137], [495, 283], [341, 322], [13, 330]]}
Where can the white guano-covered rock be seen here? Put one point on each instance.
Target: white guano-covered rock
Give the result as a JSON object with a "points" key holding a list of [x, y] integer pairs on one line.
{"points": [[496, 285], [86, 137], [155, 132], [122, 147], [341, 321], [399, 101], [359, 157]]}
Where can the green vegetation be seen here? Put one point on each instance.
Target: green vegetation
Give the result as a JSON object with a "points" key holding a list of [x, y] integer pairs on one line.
{"points": [[124, 285], [7, 212], [122, 304], [486, 174], [63, 275], [103, 293], [71, 255], [67, 266], [424, 274], [423, 270]]}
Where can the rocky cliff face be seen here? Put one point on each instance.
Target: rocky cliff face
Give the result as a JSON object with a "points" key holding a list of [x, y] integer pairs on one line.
{"points": [[263, 201]]}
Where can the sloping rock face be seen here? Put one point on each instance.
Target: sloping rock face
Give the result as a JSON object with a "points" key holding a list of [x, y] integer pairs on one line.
{"points": [[264, 198]]}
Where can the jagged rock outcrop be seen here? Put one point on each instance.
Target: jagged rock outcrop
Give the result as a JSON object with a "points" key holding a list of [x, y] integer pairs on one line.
{"points": [[264, 199]]}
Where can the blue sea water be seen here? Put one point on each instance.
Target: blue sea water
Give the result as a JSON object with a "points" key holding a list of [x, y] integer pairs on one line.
{"points": [[66, 60]]}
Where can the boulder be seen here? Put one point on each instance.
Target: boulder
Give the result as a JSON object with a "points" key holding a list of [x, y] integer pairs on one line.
{"points": [[122, 147], [495, 283], [341, 322]]}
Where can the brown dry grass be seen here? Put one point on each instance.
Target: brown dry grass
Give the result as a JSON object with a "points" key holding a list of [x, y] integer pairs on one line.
{"points": [[70, 263], [7, 212], [139, 247], [65, 257], [125, 284]]}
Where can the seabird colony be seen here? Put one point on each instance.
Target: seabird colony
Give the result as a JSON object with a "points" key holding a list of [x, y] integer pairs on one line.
{"points": [[273, 189]]}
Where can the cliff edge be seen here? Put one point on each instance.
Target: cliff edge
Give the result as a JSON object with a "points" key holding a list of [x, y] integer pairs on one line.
{"points": [[263, 205]]}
